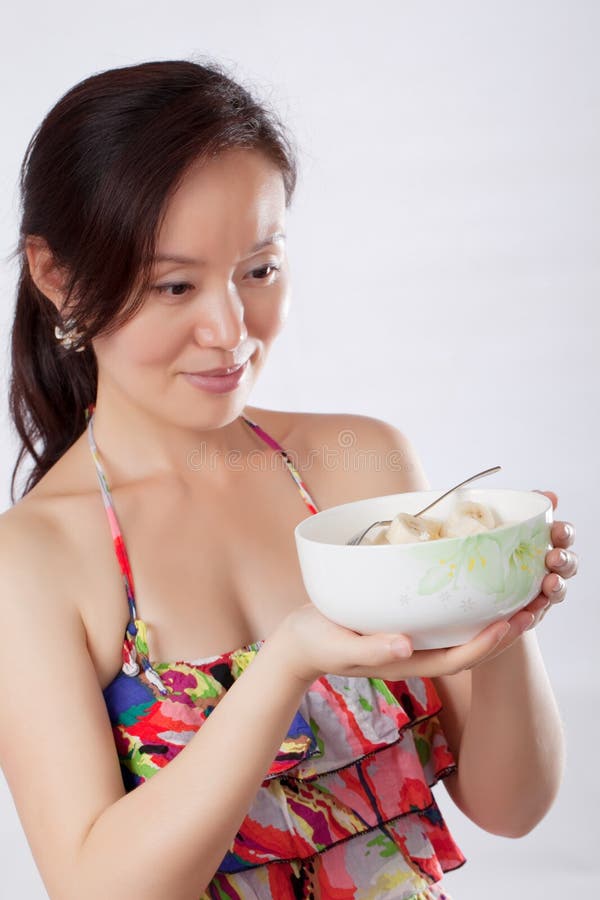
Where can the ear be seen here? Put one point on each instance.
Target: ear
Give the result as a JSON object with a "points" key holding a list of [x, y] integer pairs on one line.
{"points": [[47, 275]]}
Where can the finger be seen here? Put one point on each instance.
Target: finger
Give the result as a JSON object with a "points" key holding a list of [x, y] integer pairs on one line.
{"points": [[537, 604], [554, 587], [562, 534], [522, 620], [519, 622], [428, 663], [451, 660], [551, 496], [372, 650], [538, 616], [565, 562]]}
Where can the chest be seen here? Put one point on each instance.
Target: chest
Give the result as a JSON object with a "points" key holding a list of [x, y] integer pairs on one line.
{"points": [[212, 569]]}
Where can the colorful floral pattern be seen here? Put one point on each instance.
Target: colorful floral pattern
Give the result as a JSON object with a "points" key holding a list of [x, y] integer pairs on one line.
{"points": [[345, 809]]}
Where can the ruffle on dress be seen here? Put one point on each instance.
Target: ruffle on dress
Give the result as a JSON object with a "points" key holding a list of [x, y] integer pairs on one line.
{"points": [[352, 777]]}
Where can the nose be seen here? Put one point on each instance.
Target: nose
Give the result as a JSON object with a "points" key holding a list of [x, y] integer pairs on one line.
{"points": [[221, 322]]}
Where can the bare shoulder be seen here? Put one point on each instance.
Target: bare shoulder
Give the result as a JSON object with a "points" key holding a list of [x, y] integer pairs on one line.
{"points": [[33, 598], [32, 595], [346, 456], [30, 541]]}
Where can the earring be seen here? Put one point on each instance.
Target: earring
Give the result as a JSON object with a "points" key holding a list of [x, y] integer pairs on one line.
{"points": [[69, 336]]}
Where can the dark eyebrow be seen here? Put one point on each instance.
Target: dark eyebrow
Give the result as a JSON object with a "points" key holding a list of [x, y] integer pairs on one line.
{"points": [[189, 261]]}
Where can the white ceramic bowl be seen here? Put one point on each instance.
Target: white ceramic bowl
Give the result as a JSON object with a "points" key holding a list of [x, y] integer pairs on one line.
{"points": [[442, 593]]}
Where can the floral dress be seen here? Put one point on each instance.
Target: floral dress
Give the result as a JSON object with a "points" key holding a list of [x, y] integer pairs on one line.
{"points": [[345, 809]]}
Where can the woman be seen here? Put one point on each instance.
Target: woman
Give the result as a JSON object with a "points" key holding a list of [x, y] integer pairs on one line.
{"points": [[155, 534]]}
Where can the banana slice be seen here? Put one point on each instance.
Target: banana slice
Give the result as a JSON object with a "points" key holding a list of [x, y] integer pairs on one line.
{"points": [[377, 536], [407, 529], [467, 518]]}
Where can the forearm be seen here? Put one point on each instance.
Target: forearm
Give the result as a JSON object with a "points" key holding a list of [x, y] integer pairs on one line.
{"points": [[511, 755], [167, 837]]}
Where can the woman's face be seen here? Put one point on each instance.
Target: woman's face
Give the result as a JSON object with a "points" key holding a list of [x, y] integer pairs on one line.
{"points": [[224, 305]]}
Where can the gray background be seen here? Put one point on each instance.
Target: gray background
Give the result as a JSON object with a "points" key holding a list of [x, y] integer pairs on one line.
{"points": [[444, 245]]}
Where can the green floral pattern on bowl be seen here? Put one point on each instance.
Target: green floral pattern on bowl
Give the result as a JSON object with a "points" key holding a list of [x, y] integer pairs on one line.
{"points": [[509, 563]]}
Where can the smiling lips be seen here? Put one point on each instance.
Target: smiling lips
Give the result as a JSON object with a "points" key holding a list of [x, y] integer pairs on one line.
{"points": [[218, 381], [226, 371]]}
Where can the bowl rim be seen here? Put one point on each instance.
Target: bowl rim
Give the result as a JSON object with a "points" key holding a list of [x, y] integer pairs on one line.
{"points": [[332, 510]]}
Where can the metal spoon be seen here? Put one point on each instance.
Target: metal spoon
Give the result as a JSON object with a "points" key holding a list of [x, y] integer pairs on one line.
{"points": [[360, 534]]}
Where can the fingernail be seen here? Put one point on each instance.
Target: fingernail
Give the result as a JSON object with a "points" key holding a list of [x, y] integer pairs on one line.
{"points": [[401, 647], [568, 532], [530, 624], [560, 583], [561, 558]]}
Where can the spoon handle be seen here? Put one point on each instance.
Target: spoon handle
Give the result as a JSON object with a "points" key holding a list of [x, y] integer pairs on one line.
{"points": [[456, 486]]}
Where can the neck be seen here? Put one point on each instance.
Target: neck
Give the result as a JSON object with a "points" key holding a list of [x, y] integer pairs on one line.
{"points": [[139, 444]]}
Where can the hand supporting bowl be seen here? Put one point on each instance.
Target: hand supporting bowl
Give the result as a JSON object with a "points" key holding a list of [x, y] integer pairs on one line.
{"points": [[442, 592]]}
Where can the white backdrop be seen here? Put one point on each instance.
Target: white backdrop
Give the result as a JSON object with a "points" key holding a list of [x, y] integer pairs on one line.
{"points": [[445, 254]]}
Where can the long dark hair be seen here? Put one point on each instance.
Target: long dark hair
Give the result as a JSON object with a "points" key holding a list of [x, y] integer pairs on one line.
{"points": [[94, 183]]}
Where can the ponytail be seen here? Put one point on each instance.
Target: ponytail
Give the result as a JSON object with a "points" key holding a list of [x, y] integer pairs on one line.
{"points": [[50, 387]]}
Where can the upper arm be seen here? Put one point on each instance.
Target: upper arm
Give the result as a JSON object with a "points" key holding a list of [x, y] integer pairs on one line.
{"points": [[56, 745], [390, 464]]}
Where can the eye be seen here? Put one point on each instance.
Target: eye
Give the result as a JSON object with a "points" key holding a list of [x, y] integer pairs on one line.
{"points": [[179, 288], [273, 268], [164, 288]]}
